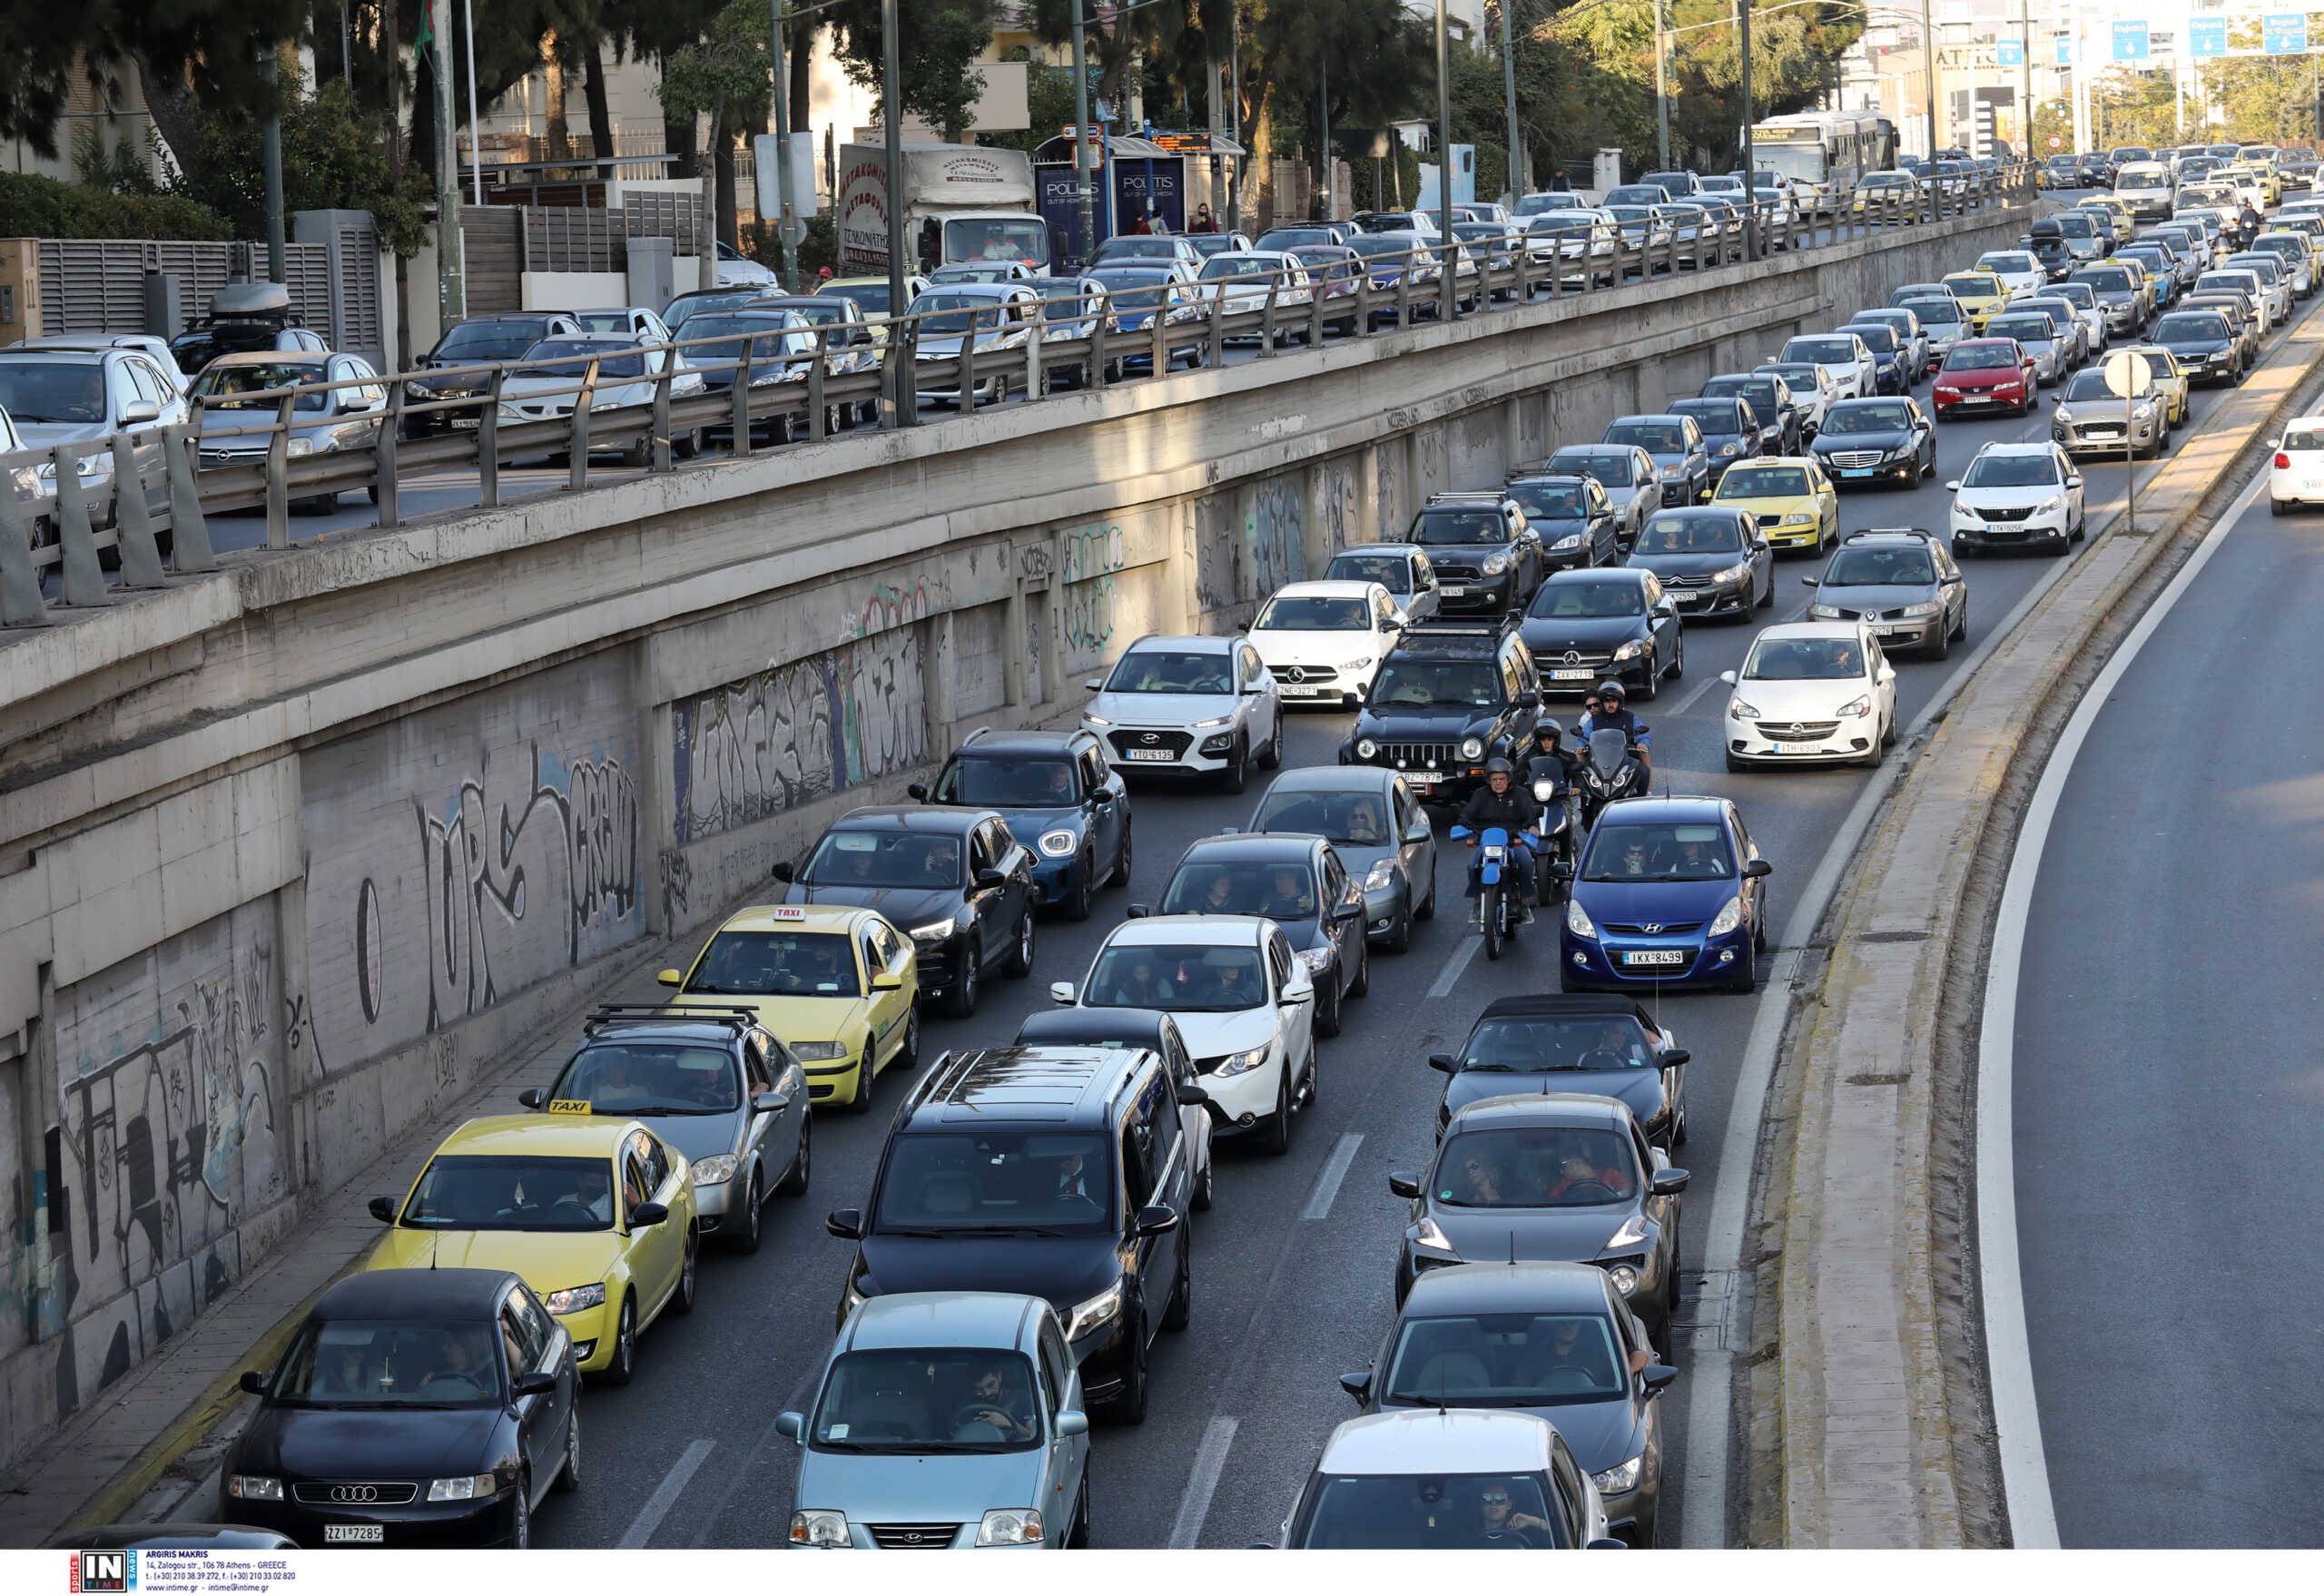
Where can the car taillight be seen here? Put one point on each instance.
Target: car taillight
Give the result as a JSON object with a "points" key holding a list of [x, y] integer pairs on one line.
{"points": [[2284, 461]]}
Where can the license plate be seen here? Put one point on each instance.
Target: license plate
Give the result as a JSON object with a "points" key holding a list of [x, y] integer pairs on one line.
{"points": [[1294, 690], [1652, 956], [1894, 631], [1152, 756], [462, 424], [1450, 592], [353, 1534], [1423, 782], [1684, 599], [1571, 675], [1861, 471]]}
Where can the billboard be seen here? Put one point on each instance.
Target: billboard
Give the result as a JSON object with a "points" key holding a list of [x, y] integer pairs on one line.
{"points": [[2206, 37], [2284, 34], [2131, 41]]}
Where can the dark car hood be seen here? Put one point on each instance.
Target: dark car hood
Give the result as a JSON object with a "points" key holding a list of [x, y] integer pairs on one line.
{"points": [[1676, 564], [1065, 1270], [1602, 1434], [1641, 1090], [1588, 633], [1877, 596], [413, 1443], [1566, 1235], [1645, 903], [1028, 825], [906, 906], [1886, 438], [1462, 554], [1425, 722]]}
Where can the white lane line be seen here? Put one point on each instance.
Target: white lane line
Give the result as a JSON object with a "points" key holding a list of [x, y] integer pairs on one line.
{"points": [[1210, 1462], [1328, 1179], [1460, 955], [1687, 702], [2009, 1357], [665, 1495]]}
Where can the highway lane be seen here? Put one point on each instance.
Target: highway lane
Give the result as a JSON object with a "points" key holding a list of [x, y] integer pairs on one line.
{"points": [[2164, 1241]]}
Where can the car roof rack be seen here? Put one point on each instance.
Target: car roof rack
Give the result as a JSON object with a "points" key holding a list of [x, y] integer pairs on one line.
{"points": [[1920, 532], [1492, 496], [735, 1017], [1480, 629]]}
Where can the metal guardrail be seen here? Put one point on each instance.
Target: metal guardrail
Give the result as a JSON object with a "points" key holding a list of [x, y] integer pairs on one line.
{"points": [[781, 386]]}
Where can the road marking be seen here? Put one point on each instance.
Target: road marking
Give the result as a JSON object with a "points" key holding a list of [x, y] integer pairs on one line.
{"points": [[1466, 951], [1328, 1179], [665, 1495], [1687, 702], [2009, 1358], [1210, 1462]]}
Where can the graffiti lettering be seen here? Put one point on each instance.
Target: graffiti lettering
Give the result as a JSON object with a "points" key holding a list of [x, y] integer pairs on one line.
{"points": [[890, 608], [1274, 551]]}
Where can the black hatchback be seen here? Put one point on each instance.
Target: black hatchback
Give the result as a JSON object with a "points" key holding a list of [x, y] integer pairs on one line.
{"points": [[415, 1407], [1296, 880], [1711, 559]]}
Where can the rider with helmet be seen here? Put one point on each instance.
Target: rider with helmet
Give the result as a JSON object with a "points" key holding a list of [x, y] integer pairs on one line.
{"points": [[1549, 759], [1500, 802], [1613, 714]]}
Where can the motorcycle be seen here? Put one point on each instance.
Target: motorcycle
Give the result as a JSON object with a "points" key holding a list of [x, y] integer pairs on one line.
{"points": [[1612, 770], [1554, 860], [1497, 901]]}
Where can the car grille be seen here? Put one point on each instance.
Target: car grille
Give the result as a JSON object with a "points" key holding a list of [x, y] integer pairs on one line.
{"points": [[1869, 615], [1797, 730], [1657, 930], [1769, 523], [1571, 658], [1685, 582], [211, 458], [914, 1537], [1176, 742], [1418, 755], [1446, 572], [2019, 514], [1314, 672], [354, 1493], [1851, 459]]}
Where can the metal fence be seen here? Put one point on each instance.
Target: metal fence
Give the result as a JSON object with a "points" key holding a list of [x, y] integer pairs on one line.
{"points": [[98, 284], [794, 385]]}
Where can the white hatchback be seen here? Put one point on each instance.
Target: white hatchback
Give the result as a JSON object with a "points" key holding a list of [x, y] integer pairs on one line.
{"points": [[1323, 641], [1811, 693], [2016, 494], [2019, 269], [2297, 477], [1843, 357]]}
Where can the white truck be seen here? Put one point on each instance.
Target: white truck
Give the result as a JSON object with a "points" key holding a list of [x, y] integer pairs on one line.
{"points": [[961, 203]]}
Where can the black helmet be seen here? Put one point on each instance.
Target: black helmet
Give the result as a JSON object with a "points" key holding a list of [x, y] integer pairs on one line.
{"points": [[1498, 767], [1609, 688], [1547, 729]]}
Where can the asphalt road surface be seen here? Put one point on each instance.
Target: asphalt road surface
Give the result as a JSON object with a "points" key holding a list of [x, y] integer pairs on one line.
{"points": [[1293, 1268]]}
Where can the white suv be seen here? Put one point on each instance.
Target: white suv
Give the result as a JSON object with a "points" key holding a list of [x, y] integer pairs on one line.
{"points": [[1842, 357], [1197, 705], [1243, 1002], [2015, 494], [1323, 641]]}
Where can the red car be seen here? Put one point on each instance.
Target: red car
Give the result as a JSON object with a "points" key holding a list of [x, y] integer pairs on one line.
{"points": [[1985, 374]]}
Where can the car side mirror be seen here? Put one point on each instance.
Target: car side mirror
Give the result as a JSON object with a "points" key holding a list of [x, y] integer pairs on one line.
{"points": [[1191, 1095], [1606, 1543], [1657, 1377], [1671, 1058], [254, 1381], [1062, 991], [918, 789], [1887, 673], [2076, 481], [1668, 1182], [988, 880], [789, 1425], [1404, 1184], [670, 977], [1093, 685], [847, 1224], [1953, 487], [782, 872], [1727, 677], [1757, 868], [1343, 912], [1140, 910], [1418, 831], [531, 1098], [536, 1383], [1449, 1063], [1298, 990], [1809, 582], [887, 980], [1357, 1383], [1071, 1422], [647, 1214], [140, 413], [1252, 688], [772, 1102], [383, 1210], [1156, 1218]]}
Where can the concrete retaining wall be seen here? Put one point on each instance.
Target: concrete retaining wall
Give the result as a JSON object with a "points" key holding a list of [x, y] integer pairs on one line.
{"points": [[290, 853]]}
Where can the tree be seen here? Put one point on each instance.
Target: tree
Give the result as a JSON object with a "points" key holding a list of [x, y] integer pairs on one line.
{"points": [[729, 76], [942, 41]]}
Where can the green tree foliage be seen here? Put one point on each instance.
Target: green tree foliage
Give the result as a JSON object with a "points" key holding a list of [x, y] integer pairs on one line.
{"points": [[334, 157], [211, 46], [41, 207], [940, 39]]}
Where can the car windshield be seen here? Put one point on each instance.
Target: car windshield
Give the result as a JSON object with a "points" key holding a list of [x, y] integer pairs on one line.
{"points": [[771, 963], [1413, 683], [2023, 329], [2143, 180], [885, 859], [772, 335], [1800, 376], [42, 390], [1506, 1360], [2299, 438], [1685, 532], [2008, 261], [227, 387], [1189, 978], [1611, 468], [1551, 501], [1427, 1512], [1690, 850], [1579, 600], [503, 1191], [1946, 311], [683, 310], [1522, 1044], [645, 1077], [1716, 417], [567, 360], [1392, 571], [472, 343], [1139, 247], [1360, 819], [1220, 267], [1006, 781], [2087, 388], [1133, 291], [1764, 482], [1804, 659], [871, 297], [1826, 352], [1881, 340], [1656, 437], [1447, 525], [927, 1399], [1288, 238], [1868, 416], [998, 239], [1390, 245], [1172, 670], [1535, 1167], [1308, 613], [949, 1181], [1281, 888], [1988, 358], [390, 1363], [1998, 471], [2107, 278], [947, 315], [1880, 567]]}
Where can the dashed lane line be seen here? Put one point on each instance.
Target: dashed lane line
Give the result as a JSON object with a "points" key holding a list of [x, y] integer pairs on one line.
{"points": [[666, 1496], [1328, 1179]]}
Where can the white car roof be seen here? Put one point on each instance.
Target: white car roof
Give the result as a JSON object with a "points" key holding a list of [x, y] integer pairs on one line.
{"points": [[1215, 931], [1785, 629], [1198, 644], [1461, 1441], [2017, 450], [1336, 588]]}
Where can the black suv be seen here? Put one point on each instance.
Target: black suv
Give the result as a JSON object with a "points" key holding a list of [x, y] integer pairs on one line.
{"points": [[1450, 695], [1053, 1171], [1486, 557]]}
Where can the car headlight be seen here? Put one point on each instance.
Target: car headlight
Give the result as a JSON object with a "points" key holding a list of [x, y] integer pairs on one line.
{"points": [[818, 1527], [1800, 519], [1216, 720], [1241, 1063], [715, 1170], [1364, 663], [1562, 545], [2050, 505], [463, 1488], [574, 1299], [1429, 1234], [1100, 1309], [1381, 877], [1094, 720], [1730, 916], [1620, 1478], [1624, 1278], [1472, 748], [1742, 711], [1365, 748], [1314, 960], [1914, 611], [1671, 471], [1495, 564], [1010, 1526], [253, 1488], [804, 1050], [936, 930], [1577, 919], [419, 391], [1733, 573], [1058, 845], [1855, 707], [1630, 650], [1730, 447], [1967, 512], [1823, 611]]}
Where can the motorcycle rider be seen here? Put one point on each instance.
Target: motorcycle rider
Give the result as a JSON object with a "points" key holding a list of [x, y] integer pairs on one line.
{"points": [[1549, 761], [1613, 714], [1502, 803]]}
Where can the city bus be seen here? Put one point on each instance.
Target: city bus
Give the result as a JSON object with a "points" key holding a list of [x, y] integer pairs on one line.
{"points": [[1828, 151]]}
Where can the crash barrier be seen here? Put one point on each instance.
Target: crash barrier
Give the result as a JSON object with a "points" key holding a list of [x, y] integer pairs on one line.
{"points": [[801, 384]]}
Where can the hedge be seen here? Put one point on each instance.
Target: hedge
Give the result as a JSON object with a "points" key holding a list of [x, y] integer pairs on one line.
{"points": [[41, 207]]}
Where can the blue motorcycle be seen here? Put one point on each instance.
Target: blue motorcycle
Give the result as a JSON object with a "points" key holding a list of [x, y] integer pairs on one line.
{"points": [[1498, 902]]}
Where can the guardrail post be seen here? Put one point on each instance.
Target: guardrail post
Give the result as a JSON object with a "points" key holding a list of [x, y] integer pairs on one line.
{"points": [[21, 603], [1521, 263], [740, 393], [278, 477], [1315, 313], [383, 474], [487, 443], [190, 548], [1098, 339], [1159, 327], [1448, 284], [133, 518], [1266, 317], [816, 419], [1362, 297], [1215, 334], [908, 379], [967, 375], [1405, 291], [576, 459], [83, 577], [663, 450], [1036, 339]]}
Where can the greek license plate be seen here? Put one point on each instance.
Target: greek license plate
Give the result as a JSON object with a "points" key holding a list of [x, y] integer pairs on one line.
{"points": [[353, 1534], [463, 424], [1296, 690], [1423, 780], [1654, 956], [1446, 592], [1570, 675], [1152, 756], [1861, 471]]}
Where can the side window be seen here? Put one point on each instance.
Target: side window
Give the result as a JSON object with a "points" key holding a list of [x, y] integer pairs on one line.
{"points": [[1140, 1165], [1334, 879], [1253, 671], [1093, 772], [1056, 1367], [634, 1185], [868, 946], [538, 1328], [658, 1165], [1510, 680], [979, 851], [1568, 1497], [999, 841], [1158, 1107], [141, 382], [884, 945], [512, 1339], [1182, 1064], [120, 391], [1278, 965], [756, 1079], [1423, 576]]}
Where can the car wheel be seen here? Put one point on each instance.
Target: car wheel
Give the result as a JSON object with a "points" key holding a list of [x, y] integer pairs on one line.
{"points": [[1021, 957], [1427, 910], [1399, 939], [1746, 979], [682, 1300], [962, 1004], [794, 1179], [1121, 861], [2275, 507], [623, 1368], [1362, 984], [1327, 1016], [1076, 902], [1943, 648], [1237, 773], [1650, 687], [866, 1077], [1276, 1142], [1273, 758], [520, 1528], [746, 1240], [568, 1472], [908, 1056], [1767, 599], [1203, 1183], [1872, 761], [1888, 739], [1679, 659], [1181, 1311], [1129, 1407]]}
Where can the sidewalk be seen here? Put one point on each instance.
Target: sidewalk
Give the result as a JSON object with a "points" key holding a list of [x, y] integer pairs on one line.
{"points": [[149, 1448]]}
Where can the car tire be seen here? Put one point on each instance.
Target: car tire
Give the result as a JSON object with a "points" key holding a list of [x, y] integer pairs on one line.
{"points": [[866, 1078], [746, 1240], [1888, 740], [907, 1055], [520, 1528], [1767, 599], [1121, 861], [1205, 1184], [1020, 955], [1650, 687], [1399, 939], [1677, 660], [803, 1164], [1569, 982], [1238, 774], [1943, 648], [1180, 1313], [1273, 758], [1746, 980], [1327, 1017], [689, 1274], [1277, 1142], [1129, 1407], [962, 1003], [1362, 984], [568, 1472], [2275, 507], [1427, 910], [1076, 904], [1871, 761], [1736, 767], [623, 1368]]}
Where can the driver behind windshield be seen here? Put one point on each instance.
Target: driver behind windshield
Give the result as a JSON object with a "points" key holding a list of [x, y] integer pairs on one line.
{"points": [[999, 1396], [1497, 1516]]}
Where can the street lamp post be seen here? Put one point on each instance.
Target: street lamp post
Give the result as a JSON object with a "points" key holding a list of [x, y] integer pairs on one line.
{"points": [[904, 401], [782, 71], [1662, 95], [2025, 64], [1508, 94], [1080, 138], [1447, 288], [1751, 183]]}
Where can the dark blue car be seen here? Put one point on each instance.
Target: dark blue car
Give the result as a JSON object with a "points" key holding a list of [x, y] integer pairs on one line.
{"points": [[1671, 891], [1060, 799]]}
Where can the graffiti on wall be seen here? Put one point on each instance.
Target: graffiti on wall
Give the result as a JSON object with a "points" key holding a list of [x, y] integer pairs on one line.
{"points": [[1342, 522], [1273, 547], [889, 608], [798, 732], [168, 1066], [1092, 558], [1395, 513]]}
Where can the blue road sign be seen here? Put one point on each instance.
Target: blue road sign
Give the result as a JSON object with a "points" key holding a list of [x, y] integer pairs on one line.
{"points": [[2131, 42], [2065, 52], [2206, 37], [2286, 34], [2009, 52]]}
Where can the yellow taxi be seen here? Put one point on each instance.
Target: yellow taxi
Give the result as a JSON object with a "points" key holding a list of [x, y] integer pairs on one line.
{"points": [[836, 981], [870, 296], [2170, 378], [596, 1215], [2114, 213], [1790, 496], [1982, 296]]}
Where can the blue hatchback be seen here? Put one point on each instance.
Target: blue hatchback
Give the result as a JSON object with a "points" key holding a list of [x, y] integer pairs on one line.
{"points": [[1671, 891], [1060, 800]]}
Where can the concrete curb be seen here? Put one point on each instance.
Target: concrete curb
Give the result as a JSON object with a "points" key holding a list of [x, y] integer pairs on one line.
{"points": [[1885, 1433]]}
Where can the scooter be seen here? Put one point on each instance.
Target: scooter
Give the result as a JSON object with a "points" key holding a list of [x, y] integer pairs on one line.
{"points": [[1497, 901], [1612, 770], [1554, 862]]}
